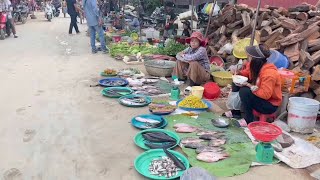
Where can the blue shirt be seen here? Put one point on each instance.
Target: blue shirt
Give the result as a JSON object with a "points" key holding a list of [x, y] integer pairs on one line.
{"points": [[91, 11], [71, 8]]}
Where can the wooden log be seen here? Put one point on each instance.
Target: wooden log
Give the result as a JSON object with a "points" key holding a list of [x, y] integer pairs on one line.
{"points": [[316, 73], [273, 37], [275, 14], [313, 42], [261, 18], [289, 23], [300, 8], [246, 18], [292, 52], [244, 31], [294, 38], [238, 16], [233, 25], [314, 48], [223, 30], [265, 23], [234, 36], [305, 60], [304, 45], [298, 29], [215, 33], [315, 87], [283, 11], [314, 36], [314, 13], [316, 57], [302, 16], [221, 42], [286, 32], [276, 26]]}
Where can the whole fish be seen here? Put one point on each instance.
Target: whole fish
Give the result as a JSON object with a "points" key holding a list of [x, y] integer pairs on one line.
{"points": [[181, 125], [202, 149], [211, 156], [186, 129], [152, 139], [202, 132], [176, 161], [207, 137], [146, 120], [193, 145], [161, 136], [165, 145], [217, 142], [189, 140]]}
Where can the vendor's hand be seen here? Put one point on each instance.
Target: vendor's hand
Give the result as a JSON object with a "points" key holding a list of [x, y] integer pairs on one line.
{"points": [[100, 22]]}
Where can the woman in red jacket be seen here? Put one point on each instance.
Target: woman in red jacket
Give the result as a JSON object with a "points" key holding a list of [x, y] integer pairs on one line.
{"points": [[263, 90]]}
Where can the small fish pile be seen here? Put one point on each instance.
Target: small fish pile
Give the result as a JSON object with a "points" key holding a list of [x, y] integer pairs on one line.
{"points": [[161, 108], [163, 166], [148, 123], [192, 102], [158, 140], [113, 82], [117, 92], [207, 145], [185, 128], [110, 72], [134, 101], [147, 90]]}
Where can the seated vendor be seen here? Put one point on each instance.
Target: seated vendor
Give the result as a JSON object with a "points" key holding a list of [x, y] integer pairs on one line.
{"points": [[135, 24], [262, 92], [193, 62]]}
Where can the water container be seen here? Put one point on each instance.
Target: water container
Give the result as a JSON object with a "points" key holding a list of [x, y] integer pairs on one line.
{"points": [[302, 114], [278, 59]]}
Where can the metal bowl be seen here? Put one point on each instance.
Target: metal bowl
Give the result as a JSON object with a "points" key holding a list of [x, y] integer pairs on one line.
{"points": [[221, 122], [159, 68]]}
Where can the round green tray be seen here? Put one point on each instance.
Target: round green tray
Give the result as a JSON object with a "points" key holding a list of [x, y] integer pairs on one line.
{"points": [[107, 75], [139, 140], [147, 98], [143, 161], [104, 92]]}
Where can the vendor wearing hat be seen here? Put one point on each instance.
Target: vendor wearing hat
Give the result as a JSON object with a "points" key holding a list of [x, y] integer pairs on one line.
{"points": [[262, 92], [186, 29], [193, 62]]}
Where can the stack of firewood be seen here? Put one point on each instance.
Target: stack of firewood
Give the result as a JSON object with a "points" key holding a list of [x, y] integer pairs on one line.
{"points": [[294, 32]]}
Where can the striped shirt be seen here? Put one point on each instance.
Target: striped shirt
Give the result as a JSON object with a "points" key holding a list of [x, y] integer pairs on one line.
{"points": [[199, 55]]}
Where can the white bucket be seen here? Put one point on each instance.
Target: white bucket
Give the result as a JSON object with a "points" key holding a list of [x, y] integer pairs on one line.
{"points": [[302, 114]]}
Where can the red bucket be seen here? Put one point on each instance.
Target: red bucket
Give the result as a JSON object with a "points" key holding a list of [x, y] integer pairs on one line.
{"points": [[211, 91]]}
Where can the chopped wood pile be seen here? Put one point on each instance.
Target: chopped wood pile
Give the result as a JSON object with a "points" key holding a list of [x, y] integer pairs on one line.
{"points": [[294, 32]]}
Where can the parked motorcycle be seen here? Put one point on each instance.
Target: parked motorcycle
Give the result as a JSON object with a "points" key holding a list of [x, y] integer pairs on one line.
{"points": [[48, 12], [20, 13], [4, 26], [56, 11]]}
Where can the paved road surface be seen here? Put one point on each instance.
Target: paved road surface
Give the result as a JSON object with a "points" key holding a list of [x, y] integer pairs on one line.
{"points": [[53, 126]]}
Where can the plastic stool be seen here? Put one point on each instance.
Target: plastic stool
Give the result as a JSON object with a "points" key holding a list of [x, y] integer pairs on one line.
{"points": [[264, 117]]}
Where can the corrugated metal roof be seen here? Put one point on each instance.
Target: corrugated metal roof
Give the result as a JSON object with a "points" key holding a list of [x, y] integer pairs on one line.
{"points": [[278, 3]]}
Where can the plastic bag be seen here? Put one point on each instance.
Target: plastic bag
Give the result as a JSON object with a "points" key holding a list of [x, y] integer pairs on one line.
{"points": [[234, 101]]}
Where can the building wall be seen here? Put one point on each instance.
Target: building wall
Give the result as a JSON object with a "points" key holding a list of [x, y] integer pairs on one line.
{"points": [[278, 3]]}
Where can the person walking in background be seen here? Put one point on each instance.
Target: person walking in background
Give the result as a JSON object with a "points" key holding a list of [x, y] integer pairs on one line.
{"points": [[72, 11], [95, 22], [5, 5], [64, 8]]}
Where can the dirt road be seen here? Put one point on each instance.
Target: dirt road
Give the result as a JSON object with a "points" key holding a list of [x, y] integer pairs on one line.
{"points": [[53, 126]]}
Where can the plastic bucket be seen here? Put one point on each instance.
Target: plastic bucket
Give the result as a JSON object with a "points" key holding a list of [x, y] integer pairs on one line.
{"points": [[302, 114], [116, 39], [278, 59], [197, 91]]}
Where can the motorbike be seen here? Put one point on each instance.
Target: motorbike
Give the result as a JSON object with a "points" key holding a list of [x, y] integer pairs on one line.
{"points": [[48, 12], [4, 26], [20, 13]]}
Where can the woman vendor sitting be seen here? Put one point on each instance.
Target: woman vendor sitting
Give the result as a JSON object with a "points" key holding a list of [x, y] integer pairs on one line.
{"points": [[193, 62], [262, 92]]}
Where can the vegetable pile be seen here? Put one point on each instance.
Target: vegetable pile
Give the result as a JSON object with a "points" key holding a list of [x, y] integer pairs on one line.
{"points": [[192, 102]]}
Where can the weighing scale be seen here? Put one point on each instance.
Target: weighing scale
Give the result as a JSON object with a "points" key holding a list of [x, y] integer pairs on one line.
{"points": [[265, 133], [175, 90]]}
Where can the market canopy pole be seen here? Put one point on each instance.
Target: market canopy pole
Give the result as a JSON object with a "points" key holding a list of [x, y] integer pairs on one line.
{"points": [[255, 24], [192, 4], [210, 16]]}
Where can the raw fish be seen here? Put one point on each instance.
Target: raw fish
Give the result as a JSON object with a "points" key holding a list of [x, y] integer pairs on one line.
{"points": [[146, 120], [193, 145], [161, 136], [189, 140], [211, 156], [186, 129], [159, 145], [208, 149], [217, 142], [181, 125], [206, 132], [176, 161], [208, 137]]}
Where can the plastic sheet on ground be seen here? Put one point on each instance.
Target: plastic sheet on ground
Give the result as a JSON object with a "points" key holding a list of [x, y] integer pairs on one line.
{"points": [[239, 146], [301, 154]]}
